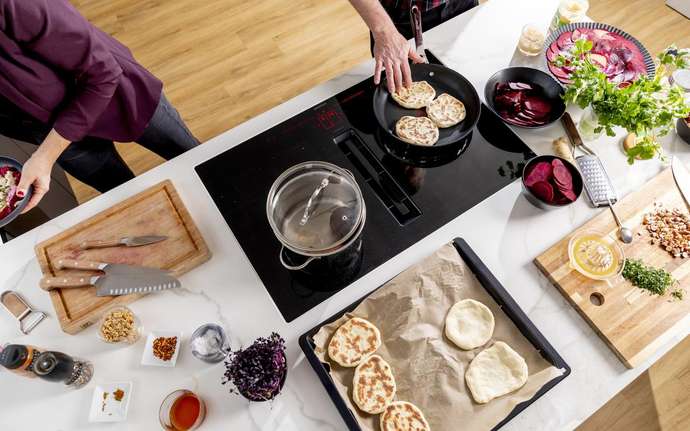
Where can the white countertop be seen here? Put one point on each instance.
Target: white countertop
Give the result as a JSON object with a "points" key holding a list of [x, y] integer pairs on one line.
{"points": [[505, 230]]}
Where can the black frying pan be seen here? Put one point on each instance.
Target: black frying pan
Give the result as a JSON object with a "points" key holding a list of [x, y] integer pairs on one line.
{"points": [[444, 80]]}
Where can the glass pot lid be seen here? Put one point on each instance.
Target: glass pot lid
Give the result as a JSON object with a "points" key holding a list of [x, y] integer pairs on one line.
{"points": [[314, 207]]}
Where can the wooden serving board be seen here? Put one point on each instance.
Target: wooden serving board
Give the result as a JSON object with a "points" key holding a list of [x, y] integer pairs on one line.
{"points": [[157, 210], [631, 321]]}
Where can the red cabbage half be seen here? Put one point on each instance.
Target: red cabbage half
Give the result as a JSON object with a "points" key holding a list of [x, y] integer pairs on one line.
{"points": [[258, 372]]}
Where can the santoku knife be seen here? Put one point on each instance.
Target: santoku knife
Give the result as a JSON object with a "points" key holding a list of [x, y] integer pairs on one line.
{"points": [[682, 177], [128, 241], [117, 279]]}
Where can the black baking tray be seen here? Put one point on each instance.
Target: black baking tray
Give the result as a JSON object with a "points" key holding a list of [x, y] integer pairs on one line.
{"points": [[502, 298]]}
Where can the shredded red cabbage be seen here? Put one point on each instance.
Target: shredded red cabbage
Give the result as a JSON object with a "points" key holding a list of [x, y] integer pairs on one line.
{"points": [[12, 198], [258, 372]]}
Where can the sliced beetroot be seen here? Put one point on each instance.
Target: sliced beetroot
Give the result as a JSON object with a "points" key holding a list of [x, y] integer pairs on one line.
{"points": [[537, 106], [558, 72], [576, 35], [564, 41], [569, 194], [519, 86], [543, 191], [541, 171], [599, 60], [551, 56], [600, 34]]}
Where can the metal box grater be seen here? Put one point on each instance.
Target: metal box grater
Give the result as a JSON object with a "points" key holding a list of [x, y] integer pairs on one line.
{"points": [[598, 185]]}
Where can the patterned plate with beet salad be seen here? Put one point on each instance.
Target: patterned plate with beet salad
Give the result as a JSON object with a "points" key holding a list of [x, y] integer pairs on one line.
{"points": [[619, 55]]}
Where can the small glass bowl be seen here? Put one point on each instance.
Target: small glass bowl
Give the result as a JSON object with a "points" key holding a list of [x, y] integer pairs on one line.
{"points": [[611, 242], [133, 337], [164, 413]]}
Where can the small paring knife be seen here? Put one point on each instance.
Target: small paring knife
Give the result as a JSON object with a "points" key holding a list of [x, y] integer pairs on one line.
{"points": [[117, 279], [127, 241]]}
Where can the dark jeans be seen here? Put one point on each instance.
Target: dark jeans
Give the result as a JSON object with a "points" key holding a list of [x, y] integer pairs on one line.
{"points": [[430, 19], [95, 161]]}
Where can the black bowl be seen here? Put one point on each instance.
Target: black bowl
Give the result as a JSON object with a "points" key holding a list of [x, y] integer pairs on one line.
{"points": [[683, 129], [553, 91], [538, 202], [8, 161]]}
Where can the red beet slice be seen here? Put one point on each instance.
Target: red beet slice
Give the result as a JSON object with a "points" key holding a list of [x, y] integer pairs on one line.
{"points": [[564, 41], [570, 195], [543, 191], [559, 72], [599, 60], [541, 171], [561, 173]]}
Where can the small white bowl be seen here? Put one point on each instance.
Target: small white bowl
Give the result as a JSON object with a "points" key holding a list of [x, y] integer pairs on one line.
{"points": [[108, 409], [148, 357]]}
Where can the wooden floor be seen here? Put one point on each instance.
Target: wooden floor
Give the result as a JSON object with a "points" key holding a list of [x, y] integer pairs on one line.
{"points": [[225, 61], [658, 400]]}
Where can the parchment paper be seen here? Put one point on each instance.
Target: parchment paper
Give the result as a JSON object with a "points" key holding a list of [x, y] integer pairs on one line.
{"points": [[429, 370]]}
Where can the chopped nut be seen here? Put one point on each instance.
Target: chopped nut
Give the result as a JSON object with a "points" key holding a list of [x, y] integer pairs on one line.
{"points": [[118, 325], [670, 229]]}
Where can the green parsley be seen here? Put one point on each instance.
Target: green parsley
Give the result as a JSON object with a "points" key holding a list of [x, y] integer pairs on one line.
{"points": [[655, 280], [647, 107]]}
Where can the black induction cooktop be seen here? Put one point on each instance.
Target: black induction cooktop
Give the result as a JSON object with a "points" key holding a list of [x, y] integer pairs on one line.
{"points": [[405, 202]]}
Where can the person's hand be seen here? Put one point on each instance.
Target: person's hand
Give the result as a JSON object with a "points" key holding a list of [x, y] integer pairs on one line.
{"points": [[391, 51], [36, 172]]}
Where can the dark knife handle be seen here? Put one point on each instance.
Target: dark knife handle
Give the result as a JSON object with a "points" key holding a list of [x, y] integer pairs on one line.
{"points": [[571, 130], [50, 283], [86, 265], [416, 24]]}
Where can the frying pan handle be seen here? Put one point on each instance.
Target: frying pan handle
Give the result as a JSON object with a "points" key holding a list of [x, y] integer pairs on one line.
{"points": [[296, 267], [416, 24]]}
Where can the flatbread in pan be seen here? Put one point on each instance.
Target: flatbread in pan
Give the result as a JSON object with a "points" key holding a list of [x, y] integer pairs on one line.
{"points": [[446, 111], [418, 95], [417, 130]]}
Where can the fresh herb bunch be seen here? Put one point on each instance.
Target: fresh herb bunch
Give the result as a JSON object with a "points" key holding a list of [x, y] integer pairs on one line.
{"points": [[655, 280], [646, 107], [675, 58], [258, 371]]}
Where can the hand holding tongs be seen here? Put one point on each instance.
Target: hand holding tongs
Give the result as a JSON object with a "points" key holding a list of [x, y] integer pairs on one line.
{"points": [[416, 24]]}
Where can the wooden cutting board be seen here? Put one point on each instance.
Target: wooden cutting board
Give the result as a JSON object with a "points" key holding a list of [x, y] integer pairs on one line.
{"points": [[157, 210], [631, 321]]}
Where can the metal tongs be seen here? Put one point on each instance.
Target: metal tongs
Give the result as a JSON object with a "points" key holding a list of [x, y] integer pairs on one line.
{"points": [[574, 135], [416, 24]]}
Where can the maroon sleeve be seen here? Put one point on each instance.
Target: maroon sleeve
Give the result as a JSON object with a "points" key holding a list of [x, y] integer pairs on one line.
{"points": [[55, 32]]}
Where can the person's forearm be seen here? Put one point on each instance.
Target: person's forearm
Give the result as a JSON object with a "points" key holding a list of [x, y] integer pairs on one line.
{"points": [[51, 148], [374, 16]]}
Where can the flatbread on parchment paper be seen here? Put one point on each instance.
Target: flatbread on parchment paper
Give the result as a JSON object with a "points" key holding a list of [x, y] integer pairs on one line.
{"points": [[353, 341], [373, 385], [469, 324], [418, 95], [429, 370], [403, 416], [495, 371]]}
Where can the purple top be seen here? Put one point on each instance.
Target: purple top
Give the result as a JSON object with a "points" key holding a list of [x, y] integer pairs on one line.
{"points": [[61, 70]]}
